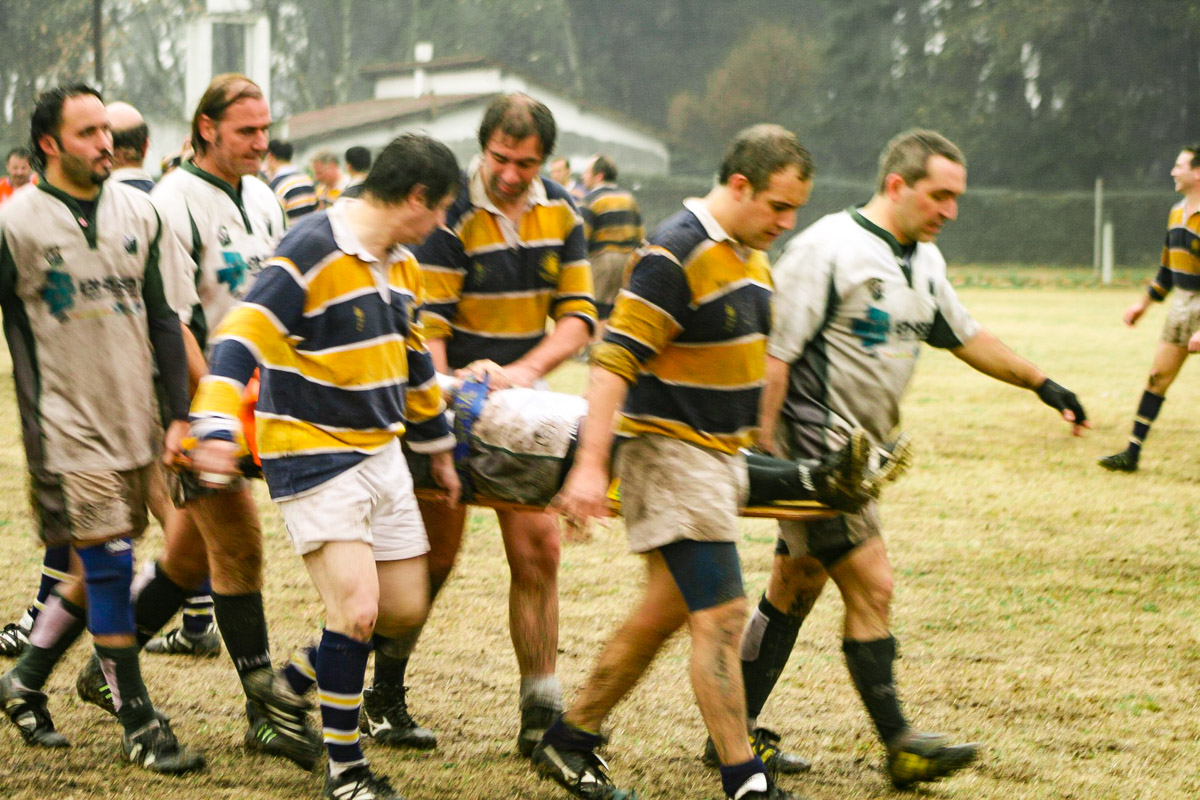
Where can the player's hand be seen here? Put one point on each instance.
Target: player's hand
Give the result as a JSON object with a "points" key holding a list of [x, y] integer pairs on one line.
{"points": [[765, 441], [584, 494], [1135, 311], [173, 443], [441, 467], [215, 462], [1194, 343], [1063, 399]]}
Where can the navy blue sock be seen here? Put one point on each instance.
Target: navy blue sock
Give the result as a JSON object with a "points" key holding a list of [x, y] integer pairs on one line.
{"points": [[734, 776], [55, 566], [341, 671], [1147, 412], [198, 610], [565, 736], [301, 672]]}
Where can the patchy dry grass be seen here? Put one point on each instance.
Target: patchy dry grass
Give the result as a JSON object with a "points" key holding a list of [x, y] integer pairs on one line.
{"points": [[1043, 606]]}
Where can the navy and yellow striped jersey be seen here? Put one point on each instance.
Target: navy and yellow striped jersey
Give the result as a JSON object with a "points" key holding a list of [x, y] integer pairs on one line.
{"points": [[689, 332], [611, 220], [342, 359], [1180, 267], [490, 285], [295, 192]]}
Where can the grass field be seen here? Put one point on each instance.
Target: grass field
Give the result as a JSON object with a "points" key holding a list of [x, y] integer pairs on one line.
{"points": [[1044, 607]]}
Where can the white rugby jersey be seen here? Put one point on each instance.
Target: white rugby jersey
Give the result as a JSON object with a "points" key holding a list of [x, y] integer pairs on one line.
{"points": [[851, 309], [228, 232]]}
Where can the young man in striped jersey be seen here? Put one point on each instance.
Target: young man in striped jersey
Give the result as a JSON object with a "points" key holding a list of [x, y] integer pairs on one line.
{"points": [[856, 294], [1180, 271], [511, 256], [683, 361], [88, 322], [293, 187], [613, 223], [332, 325]]}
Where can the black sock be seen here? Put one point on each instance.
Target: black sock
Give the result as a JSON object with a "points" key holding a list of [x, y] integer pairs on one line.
{"points": [[389, 671], [1147, 412], [59, 626], [120, 666], [870, 665], [565, 736], [158, 601], [244, 630], [766, 645]]}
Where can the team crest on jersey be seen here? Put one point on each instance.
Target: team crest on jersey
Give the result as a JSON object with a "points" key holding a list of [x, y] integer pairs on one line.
{"points": [[54, 257], [731, 318], [873, 330], [58, 293], [360, 319], [875, 287], [130, 244], [223, 236], [549, 268]]}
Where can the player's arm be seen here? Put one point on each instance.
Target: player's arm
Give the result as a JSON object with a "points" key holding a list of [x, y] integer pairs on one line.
{"points": [[985, 353], [164, 328], [773, 394], [585, 491], [444, 265], [1156, 292]]}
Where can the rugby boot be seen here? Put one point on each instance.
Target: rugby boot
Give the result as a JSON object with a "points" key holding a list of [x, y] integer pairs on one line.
{"points": [[179, 642], [287, 714], [27, 710], [915, 757], [154, 747], [262, 737], [359, 783], [535, 719], [765, 744], [385, 719], [583, 773], [1123, 461], [92, 687], [15, 636], [887, 463]]}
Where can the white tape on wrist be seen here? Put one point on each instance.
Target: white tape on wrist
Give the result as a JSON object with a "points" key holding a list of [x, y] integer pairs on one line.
{"points": [[215, 478]]}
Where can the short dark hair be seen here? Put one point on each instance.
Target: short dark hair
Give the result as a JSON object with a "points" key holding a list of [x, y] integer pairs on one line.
{"points": [[20, 152], [282, 150], [358, 158], [47, 115], [519, 116], [908, 154], [409, 161], [1194, 149], [603, 166], [758, 152], [222, 92], [133, 139]]}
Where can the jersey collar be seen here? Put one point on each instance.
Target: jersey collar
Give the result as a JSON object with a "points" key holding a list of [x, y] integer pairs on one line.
{"points": [[87, 226], [234, 194], [713, 229], [348, 243]]}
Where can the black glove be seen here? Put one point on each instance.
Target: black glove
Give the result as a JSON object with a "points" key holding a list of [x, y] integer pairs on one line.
{"points": [[1061, 398]]}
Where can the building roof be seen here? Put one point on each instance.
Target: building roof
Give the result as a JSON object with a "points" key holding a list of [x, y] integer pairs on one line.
{"points": [[348, 116], [435, 65]]}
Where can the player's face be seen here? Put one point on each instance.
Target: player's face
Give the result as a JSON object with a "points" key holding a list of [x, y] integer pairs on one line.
{"points": [[240, 139], [509, 165], [19, 171], [764, 216], [1186, 176], [83, 147], [925, 207], [424, 220], [324, 172], [560, 171]]}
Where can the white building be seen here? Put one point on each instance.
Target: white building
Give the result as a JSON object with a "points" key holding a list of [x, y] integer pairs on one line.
{"points": [[446, 98]]}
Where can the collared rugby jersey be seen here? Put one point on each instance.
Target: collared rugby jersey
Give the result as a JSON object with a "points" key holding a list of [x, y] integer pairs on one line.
{"points": [[295, 191], [341, 357], [851, 309], [612, 220], [689, 334], [228, 232], [490, 285], [1181, 254], [76, 292]]}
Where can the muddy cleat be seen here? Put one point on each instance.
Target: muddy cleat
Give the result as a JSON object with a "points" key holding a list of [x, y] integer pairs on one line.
{"points": [[154, 747], [27, 710], [1119, 462], [915, 757], [765, 744], [581, 772], [15, 636], [535, 719], [262, 737], [92, 687], [359, 783], [286, 711], [179, 642], [385, 719]]}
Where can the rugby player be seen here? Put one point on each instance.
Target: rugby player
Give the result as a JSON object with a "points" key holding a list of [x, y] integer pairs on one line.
{"points": [[1180, 271], [332, 325], [87, 321], [683, 361], [856, 294]]}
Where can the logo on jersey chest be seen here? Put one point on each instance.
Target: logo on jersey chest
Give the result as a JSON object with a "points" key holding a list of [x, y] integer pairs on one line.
{"points": [[223, 237], [130, 244], [872, 330]]}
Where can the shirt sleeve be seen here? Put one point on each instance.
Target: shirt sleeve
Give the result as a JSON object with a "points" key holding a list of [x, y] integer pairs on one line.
{"points": [[443, 272], [648, 314], [953, 325], [255, 331], [427, 428], [805, 290], [574, 295]]}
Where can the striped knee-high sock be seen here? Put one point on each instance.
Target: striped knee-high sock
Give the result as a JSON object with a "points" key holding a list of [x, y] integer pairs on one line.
{"points": [[55, 564], [1147, 412], [198, 611], [341, 670], [301, 671]]}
